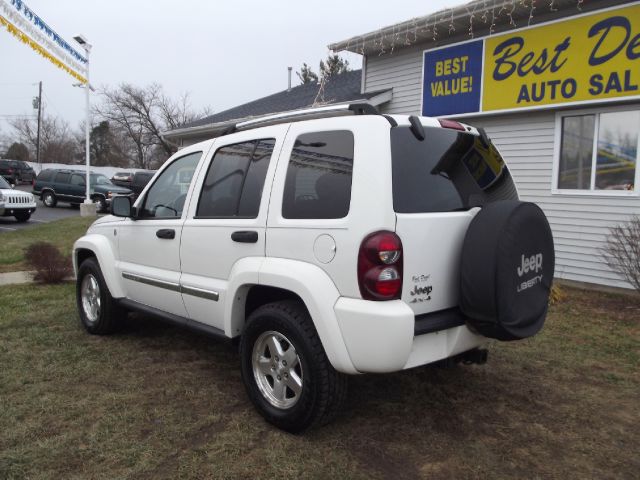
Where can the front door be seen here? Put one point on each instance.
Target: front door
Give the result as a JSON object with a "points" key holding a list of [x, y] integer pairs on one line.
{"points": [[227, 223], [149, 245]]}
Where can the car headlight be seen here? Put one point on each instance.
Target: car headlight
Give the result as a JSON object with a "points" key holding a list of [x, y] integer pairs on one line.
{"points": [[109, 194], [2, 199]]}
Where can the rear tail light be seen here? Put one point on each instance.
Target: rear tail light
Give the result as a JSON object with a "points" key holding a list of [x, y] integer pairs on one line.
{"points": [[11, 170], [444, 123], [380, 266]]}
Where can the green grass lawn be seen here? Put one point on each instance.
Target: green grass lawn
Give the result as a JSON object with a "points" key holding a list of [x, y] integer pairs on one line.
{"points": [[61, 233], [157, 402]]}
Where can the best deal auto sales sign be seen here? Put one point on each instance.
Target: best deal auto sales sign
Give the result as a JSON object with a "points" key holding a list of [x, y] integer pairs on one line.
{"points": [[587, 58]]}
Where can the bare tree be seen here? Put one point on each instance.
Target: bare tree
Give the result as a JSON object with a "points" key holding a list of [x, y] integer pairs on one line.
{"points": [[142, 114], [622, 251], [57, 144]]}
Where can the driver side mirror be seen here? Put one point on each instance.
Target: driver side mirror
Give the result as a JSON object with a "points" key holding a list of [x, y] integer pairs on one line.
{"points": [[121, 207]]}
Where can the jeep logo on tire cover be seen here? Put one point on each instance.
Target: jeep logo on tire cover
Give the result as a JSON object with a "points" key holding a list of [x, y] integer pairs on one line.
{"points": [[529, 264], [534, 262]]}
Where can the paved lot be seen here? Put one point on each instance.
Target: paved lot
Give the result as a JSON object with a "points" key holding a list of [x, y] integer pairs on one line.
{"points": [[41, 215]]}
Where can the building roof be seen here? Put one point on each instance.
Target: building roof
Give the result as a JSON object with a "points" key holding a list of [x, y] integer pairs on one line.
{"points": [[343, 88], [469, 20]]}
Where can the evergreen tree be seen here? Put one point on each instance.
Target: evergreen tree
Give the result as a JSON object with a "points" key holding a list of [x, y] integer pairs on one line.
{"points": [[306, 75], [18, 151]]}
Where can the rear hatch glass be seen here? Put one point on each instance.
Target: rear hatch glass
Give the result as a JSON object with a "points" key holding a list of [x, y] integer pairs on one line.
{"points": [[436, 184], [449, 170]]}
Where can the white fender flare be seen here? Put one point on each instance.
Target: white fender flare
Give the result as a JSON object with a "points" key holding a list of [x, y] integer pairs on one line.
{"points": [[101, 248], [310, 283]]}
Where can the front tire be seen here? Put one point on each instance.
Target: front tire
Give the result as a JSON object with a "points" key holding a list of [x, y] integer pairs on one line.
{"points": [[285, 370], [101, 204], [99, 312], [49, 199]]}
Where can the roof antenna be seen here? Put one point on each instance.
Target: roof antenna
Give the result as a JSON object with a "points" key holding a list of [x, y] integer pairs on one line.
{"points": [[289, 87]]}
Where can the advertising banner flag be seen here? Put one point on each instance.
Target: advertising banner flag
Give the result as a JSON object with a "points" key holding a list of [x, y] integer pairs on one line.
{"points": [[21, 22]]}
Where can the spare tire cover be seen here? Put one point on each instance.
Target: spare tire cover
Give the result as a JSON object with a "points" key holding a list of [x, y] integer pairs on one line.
{"points": [[507, 268]]}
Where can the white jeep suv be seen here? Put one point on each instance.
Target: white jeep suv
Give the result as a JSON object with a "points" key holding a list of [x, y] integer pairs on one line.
{"points": [[327, 242]]}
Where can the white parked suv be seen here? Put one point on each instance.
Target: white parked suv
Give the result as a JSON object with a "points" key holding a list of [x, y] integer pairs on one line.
{"points": [[14, 203], [327, 242]]}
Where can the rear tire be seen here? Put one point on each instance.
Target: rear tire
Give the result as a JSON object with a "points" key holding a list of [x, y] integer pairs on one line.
{"points": [[99, 313], [285, 370], [22, 217], [49, 199]]}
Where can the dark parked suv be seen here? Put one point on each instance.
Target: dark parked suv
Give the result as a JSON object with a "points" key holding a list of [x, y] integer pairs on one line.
{"points": [[16, 171], [61, 185], [135, 181]]}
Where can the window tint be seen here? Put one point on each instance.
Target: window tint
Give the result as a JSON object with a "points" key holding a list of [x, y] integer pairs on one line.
{"points": [[45, 175], [62, 177], [233, 185], [165, 198], [447, 171], [318, 183], [77, 179]]}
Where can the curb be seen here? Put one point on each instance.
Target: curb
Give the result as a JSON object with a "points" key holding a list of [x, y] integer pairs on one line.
{"points": [[16, 278]]}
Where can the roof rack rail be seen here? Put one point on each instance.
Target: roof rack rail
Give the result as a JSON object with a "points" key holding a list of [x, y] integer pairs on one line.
{"points": [[304, 114]]}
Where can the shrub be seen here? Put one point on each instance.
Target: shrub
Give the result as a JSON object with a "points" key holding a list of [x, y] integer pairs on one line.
{"points": [[556, 295], [50, 265], [622, 251]]}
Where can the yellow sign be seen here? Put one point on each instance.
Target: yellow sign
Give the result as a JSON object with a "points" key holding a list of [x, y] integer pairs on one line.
{"points": [[589, 58]]}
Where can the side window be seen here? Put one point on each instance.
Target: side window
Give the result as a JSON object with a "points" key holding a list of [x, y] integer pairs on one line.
{"points": [[77, 179], [62, 177], [233, 185], [318, 183], [45, 175], [165, 198]]}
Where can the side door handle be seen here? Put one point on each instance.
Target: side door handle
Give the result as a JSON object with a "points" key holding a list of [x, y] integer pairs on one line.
{"points": [[247, 236], [166, 233]]}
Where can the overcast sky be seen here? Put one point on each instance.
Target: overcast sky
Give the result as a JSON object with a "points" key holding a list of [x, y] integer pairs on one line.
{"points": [[222, 53]]}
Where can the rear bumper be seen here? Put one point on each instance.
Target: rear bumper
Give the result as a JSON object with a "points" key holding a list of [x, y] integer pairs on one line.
{"points": [[387, 336]]}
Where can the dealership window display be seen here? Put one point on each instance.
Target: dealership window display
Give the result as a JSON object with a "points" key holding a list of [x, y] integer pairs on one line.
{"points": [[598, 152]]}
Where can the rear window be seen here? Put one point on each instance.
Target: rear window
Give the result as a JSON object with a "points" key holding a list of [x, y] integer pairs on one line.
{"points": [[449, 170]]}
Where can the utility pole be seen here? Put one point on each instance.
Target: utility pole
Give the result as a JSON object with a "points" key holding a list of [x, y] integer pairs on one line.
{"points": [[39, 120]]}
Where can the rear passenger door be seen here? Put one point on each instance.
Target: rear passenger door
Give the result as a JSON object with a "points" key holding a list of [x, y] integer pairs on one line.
{"points": [[226, 221], [310, 210], [77, 186], [61, 186]]}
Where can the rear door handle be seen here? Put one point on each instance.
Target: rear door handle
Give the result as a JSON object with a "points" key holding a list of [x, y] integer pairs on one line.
{"points": [[167, 233], [247, 236]]}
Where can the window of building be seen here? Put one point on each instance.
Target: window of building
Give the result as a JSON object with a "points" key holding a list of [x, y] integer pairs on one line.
{"points": [[235, 180], [165, 198], [599, 152], [318, 183]]}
